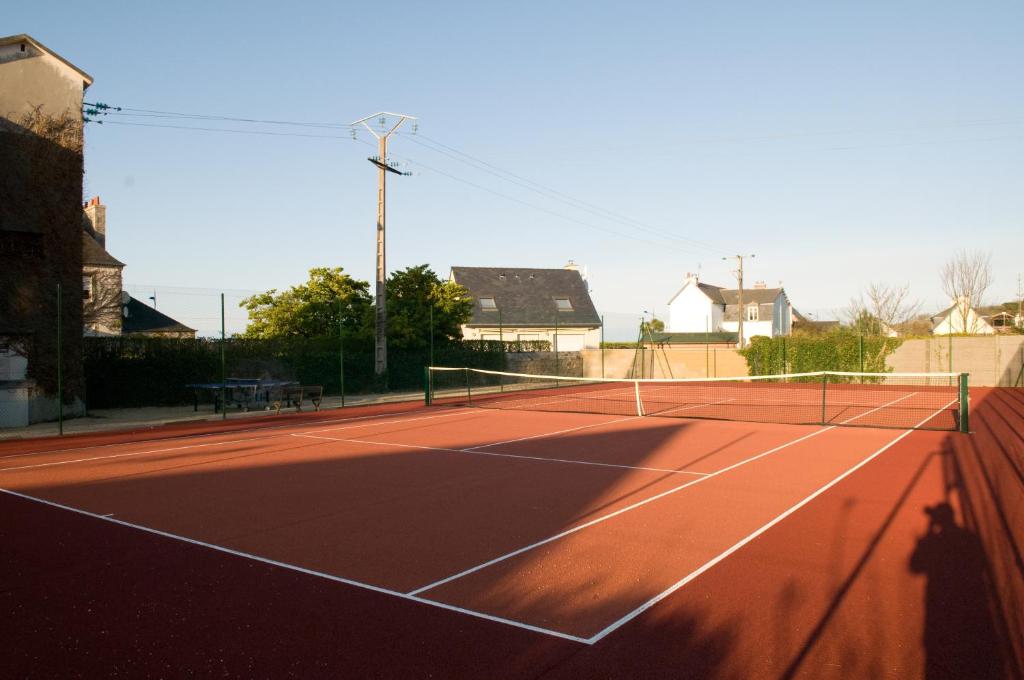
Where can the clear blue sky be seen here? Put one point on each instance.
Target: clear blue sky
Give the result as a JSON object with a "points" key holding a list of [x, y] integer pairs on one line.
{"points": [[841, 143]]}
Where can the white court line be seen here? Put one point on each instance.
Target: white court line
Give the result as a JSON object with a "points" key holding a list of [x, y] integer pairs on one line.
{"points": [[218, 443], [550, 434], [303, 570], [198, 435], [750, 537], [495, 454], [603, 518]]}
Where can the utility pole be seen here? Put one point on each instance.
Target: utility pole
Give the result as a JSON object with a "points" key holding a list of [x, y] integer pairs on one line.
{"points": [[739, 297], [1019, 321], [383, 167]]}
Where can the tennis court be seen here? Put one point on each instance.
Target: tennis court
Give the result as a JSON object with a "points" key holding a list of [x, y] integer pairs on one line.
{"points": [[514, 516]]}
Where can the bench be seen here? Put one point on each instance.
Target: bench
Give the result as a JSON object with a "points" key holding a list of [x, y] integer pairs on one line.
{"points": [[294, 395]]}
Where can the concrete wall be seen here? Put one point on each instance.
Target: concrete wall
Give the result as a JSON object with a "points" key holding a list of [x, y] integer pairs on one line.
{"points": [[676, 363], [992, 361]]}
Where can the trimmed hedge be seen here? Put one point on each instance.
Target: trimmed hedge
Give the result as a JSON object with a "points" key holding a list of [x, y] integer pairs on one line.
{"points": [[839, 350], [129, 372]]}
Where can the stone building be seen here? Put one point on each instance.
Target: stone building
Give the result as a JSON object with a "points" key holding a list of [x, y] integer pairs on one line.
{"points": [[101, 275], [41, 167]]}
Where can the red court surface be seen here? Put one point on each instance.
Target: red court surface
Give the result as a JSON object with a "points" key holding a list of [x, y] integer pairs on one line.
{"points": [[462, 542]]}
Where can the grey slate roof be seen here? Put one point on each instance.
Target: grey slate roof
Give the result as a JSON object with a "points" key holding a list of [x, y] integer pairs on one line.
{"points": [[141, 318], [759, 295], [96, 255], [526, 297]]}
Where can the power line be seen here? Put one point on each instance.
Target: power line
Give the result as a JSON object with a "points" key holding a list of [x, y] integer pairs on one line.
{"points": [[548, 192]]}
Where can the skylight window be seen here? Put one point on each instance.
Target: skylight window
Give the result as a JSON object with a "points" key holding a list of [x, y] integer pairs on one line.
{"points": [[563, 304], [488, 305]]}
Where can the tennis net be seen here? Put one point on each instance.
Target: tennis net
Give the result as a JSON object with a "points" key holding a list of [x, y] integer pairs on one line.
{"points": [[933, 401]]}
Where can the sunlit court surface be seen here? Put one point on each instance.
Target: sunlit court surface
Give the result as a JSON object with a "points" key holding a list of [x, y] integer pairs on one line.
{"points": [[519, 541]]}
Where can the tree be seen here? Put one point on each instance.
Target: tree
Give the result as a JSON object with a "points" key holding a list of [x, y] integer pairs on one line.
{"points": [[965, 278], [415, 292], [311, 309], [657, 325], [882, 309]]}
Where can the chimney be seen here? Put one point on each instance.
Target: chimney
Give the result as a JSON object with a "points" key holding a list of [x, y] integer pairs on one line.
{"points": [[571, 266], [760, 285], [95, 218]]}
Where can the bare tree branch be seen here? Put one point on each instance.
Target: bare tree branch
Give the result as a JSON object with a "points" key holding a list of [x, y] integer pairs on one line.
{"points": [[883, 308], [965, 278]]}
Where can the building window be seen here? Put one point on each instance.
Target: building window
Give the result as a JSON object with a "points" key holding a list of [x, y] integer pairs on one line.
{"points": [[563, 304], [488, 305], [753, 313], [86, 287]]}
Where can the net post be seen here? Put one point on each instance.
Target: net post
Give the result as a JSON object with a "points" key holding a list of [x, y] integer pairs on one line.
{"points": [[824, 384], [602, 345], [964, 403], [426, 385], [469, 390], [639, 404]]}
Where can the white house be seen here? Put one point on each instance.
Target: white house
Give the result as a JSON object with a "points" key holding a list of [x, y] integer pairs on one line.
{"points": [[961, 319], [703, 308], [531, 304]]}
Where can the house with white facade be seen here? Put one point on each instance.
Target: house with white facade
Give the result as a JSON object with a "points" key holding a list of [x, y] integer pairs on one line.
{"points": [[531, 304], [703, 308], [961, 319]]}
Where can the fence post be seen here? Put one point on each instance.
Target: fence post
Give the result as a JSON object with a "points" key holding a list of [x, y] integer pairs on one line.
{"points": [[949, 354], [341, 352], [501, 341], [707, 347], [223, 365], [426, 385], [556, 345], [783, 354], [824, 383], [469, 389], [60, 361], [964, 403], [602, 345], [860, 352]]}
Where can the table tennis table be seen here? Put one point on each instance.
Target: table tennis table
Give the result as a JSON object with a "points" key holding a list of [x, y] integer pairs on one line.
{"points": [[246, 393]]}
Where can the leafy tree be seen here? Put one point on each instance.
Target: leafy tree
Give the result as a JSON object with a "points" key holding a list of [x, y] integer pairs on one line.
{"points": [[312, 309], [657, 325], [411, 294]]}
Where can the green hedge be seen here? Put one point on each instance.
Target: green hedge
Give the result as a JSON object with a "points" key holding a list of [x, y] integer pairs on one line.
{"points": [[129, 372], [839, 350]]}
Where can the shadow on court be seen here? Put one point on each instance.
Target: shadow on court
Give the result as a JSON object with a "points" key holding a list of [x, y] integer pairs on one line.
{"points": [[859, 583]]}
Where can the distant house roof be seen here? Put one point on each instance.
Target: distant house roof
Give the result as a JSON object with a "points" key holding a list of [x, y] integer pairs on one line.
{"points": [[762, 296], [141, 318], [713, 292], [96, 255], [27, 39], [825, 325], [527, 297]]}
